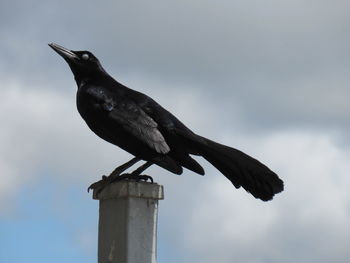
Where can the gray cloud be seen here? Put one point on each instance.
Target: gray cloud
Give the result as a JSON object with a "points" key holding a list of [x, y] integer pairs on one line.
{"points": [[280, 64]]}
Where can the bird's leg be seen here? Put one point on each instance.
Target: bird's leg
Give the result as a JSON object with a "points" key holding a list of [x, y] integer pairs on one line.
{"points": [[123, 167], [143, 167], [113, 175], [136, 175]]}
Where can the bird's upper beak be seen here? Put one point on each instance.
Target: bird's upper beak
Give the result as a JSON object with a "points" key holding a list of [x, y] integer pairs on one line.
{"points": [[64, 52]]}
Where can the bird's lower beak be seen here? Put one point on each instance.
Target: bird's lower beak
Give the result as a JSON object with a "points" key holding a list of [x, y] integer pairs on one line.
{"points": [[64, 52]]}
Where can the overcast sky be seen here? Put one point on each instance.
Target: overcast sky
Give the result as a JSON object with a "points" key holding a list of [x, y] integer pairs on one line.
{"points": [[268, 77]]}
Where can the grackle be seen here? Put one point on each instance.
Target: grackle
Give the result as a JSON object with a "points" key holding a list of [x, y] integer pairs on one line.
{"points": [[140, 126]]}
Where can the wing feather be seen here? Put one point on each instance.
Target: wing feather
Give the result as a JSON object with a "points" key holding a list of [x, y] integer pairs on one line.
{"points": [[142, 126]]}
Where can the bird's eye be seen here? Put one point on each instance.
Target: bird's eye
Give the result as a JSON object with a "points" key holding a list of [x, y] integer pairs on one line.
{"points": [[85, 56]]}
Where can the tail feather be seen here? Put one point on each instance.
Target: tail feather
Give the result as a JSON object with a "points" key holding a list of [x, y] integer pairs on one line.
{"points": [[188, 162], [168, 163], [241, 169]]}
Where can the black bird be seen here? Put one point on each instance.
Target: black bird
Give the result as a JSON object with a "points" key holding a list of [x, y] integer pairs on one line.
{"points": [[140, 126]]}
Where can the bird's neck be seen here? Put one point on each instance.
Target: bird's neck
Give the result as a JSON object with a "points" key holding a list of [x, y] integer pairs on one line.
{"points": [[90, 78], [81, 81]]}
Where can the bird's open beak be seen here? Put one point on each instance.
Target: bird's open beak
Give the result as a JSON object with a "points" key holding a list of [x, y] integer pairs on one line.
{"points": [[64, 52]]}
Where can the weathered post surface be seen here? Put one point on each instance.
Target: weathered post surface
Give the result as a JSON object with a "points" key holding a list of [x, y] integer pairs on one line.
{"points": [[127, 231]]}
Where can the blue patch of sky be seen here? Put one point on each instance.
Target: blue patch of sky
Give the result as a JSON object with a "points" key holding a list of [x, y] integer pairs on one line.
{"points": [[47, 224]]}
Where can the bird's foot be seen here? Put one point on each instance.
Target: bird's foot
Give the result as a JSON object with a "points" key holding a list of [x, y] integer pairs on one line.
{"points": [[135, 177], [106, 180]]}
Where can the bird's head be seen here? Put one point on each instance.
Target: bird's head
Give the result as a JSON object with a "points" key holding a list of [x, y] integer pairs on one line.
{"points": [[83, 64]]}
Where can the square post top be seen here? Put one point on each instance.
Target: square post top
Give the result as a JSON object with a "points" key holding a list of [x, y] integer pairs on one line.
{"points": [[124, 189]]}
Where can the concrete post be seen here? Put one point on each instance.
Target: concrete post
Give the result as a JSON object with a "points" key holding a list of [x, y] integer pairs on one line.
{"points": [[127, 228]]}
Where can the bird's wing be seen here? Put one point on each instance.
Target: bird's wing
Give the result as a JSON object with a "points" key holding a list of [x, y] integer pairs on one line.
{"points": [[136, 121], [133, 119]]}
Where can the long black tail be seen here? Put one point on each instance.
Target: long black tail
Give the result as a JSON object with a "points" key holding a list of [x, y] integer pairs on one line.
{"points": [[241, 169]]}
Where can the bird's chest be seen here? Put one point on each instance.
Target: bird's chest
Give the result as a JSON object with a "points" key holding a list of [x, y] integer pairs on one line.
{"points": [[89, 107], [93, 104]]}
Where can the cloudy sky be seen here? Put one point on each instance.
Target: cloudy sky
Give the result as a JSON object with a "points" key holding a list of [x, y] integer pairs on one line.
{"points": [[268, 77]]}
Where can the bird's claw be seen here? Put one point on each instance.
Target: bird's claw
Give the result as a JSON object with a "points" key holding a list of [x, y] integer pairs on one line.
{"points": [[137, 178], [98, 184], [106, 180]]}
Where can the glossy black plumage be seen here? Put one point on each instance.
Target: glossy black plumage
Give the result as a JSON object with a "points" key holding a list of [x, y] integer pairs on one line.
{"points": [[140, 126]]}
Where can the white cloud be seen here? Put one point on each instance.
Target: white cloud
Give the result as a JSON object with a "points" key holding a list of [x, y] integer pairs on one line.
{"points": [[305, 223]]}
